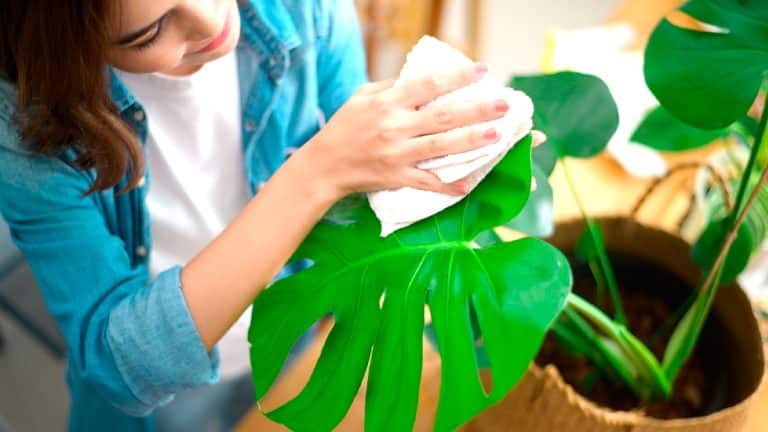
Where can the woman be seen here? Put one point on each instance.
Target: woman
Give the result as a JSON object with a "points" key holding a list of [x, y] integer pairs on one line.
{"points": [[215, 94]]}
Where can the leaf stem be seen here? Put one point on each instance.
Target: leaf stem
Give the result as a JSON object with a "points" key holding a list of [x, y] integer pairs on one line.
{"points": [[745, 180], [630, 359], [602, 254]]}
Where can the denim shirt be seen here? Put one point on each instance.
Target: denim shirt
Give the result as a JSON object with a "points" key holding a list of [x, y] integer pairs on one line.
{"points": [[132, 342]]}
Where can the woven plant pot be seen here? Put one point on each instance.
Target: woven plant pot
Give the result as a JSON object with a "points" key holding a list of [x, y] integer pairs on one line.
{"points": [[542, 401]]}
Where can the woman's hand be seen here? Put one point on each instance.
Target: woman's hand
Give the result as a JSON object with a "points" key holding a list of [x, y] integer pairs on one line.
{"points": [[378, 137]]}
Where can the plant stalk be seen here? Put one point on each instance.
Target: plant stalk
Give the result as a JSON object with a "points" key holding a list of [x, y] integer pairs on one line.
{"points": [[744, 184], [602, 254], [631, 361]]}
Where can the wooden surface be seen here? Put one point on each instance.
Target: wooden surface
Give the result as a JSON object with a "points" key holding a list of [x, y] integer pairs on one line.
{"points": [[608, 191]]}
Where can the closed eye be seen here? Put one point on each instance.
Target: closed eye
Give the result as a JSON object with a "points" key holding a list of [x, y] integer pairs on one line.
{"points": [[152, 29], [155, 36]]}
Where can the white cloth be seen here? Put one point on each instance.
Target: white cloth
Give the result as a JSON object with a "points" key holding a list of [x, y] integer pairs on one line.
{"points": [[195, 161], [397, 209]]}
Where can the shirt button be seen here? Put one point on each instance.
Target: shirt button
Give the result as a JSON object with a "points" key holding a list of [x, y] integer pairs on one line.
{"points": [[142, 182], [141, 251], [274, 59], [139, 115], [249, 125]]}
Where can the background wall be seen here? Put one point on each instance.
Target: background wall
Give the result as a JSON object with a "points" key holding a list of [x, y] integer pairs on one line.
{"points": [[513, 31]]}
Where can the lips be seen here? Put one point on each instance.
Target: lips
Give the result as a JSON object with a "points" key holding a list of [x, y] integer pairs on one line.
{"points": [[222, 37]]}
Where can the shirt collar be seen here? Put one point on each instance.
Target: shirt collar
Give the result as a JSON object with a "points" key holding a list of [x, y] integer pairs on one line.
{"points": [[119, 92], [269, 30], [272, 22]]}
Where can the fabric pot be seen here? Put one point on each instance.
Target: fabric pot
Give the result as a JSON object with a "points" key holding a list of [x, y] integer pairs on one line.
{"points": [[542, 401]]}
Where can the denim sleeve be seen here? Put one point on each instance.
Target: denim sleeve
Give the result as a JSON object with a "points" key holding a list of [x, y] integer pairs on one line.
{"points": [[133, 341], [340, 57]]}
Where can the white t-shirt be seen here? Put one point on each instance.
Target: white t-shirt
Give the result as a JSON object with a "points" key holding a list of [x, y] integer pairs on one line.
{"points": [[198, 184]]}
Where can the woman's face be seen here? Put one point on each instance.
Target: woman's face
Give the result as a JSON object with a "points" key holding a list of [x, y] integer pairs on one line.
{"points": [[174, 37]]}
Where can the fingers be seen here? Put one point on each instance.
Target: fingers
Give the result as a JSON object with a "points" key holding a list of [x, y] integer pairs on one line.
{"points": [[425, 180], [451, 116], [420, 91], [538, 138], [455, 141]]}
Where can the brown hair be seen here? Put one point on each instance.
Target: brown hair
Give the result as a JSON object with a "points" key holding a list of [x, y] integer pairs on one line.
{"points": [[55, 51]]}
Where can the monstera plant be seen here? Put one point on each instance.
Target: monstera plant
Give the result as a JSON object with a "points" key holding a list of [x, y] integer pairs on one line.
{"points": [[706, 79], [376, 290], [579, 116], [492, 301], [709, 77]]}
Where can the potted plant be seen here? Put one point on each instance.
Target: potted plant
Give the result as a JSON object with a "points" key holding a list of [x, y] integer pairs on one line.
{"points": [[493, 300], [655, 364], [376, 290]]}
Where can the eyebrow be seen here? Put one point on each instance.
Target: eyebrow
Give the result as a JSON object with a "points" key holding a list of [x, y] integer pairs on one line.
{"points": [[133, 37]]}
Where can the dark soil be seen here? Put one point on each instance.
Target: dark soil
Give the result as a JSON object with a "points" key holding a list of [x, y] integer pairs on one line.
{"points": [[651, 297]]}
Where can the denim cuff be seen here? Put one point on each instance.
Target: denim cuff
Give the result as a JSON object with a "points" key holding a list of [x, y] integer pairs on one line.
{"points": [[156, 345]]}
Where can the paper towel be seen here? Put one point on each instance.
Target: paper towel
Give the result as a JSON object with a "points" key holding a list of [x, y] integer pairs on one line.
{"points": [[402, 207]]}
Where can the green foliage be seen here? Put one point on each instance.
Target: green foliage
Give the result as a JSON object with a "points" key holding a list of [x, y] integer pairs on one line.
{"points": [[537, 218], [705, 81], [376, 289], [628, 358], [710, 79], [707, 246], [662, 131], [545, 157], [579, 116], [575, 110], [750, 236]]}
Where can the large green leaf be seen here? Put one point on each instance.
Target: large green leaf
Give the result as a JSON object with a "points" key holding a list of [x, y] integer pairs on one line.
{"points": [[538, 217], [575, 110], [376, 289], [710, 79], [662, 131], [746, 20]]}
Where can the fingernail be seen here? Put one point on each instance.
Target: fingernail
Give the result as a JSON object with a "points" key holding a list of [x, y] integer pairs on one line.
{"points": [[491, 134], [501, 106], [481, 68], [538, 137], [534, 185]]}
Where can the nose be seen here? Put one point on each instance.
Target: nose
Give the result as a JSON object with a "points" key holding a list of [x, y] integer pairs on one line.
{"points": [[202, 19]]}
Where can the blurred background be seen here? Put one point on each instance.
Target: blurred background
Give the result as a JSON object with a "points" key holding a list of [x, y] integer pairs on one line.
{"points": [[510, 35]]}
